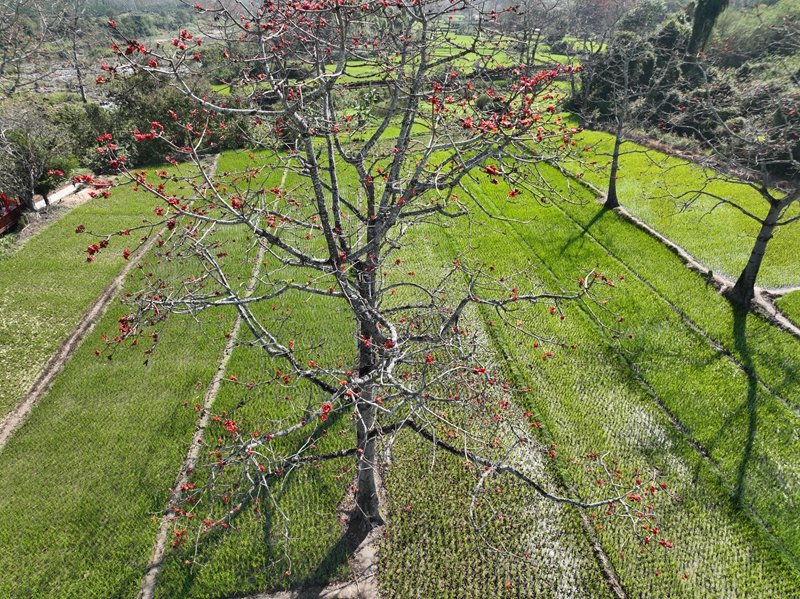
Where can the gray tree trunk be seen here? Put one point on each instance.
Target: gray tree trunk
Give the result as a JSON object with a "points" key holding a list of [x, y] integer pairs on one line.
{"points": [[612, 201], [744, 289], [77, 63], [367, 498]]}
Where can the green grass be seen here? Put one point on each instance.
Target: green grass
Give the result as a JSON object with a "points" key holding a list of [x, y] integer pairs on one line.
{"points": [[590, 402], [741, 424], [789, 304], [594, 385], [722, 239], [608, 395], [46, 285], [255, 555], [431, 549], [95, 459]]}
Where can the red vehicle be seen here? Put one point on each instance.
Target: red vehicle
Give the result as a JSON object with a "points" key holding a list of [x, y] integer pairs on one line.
{"points": [[9, 214]]}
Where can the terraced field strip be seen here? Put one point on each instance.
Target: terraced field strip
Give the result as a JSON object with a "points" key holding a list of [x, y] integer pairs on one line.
{"points": [[742, 355], [198, 437], [44, 381], [545, 234], [774, 353], [98, 454], [204, 417], [579, 416], [544, 547], [700, 282], [47, 288], [721, 240], [262, 549]]}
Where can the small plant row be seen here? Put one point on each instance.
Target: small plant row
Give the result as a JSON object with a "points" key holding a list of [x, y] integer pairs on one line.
{"points": [[519, 544], [291, 534], [94, 462], [549, 231]]}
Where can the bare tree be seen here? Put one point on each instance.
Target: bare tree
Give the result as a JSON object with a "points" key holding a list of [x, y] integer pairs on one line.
{"points": [[358, 179], [752, 133], [532, 22], [73, 36], [594, 24], [628, 79], [24, 27]]}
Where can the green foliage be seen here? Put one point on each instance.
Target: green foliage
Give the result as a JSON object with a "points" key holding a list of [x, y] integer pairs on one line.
{"points": [[35, 154], [644, 16], [59, 169], [86, 122]]}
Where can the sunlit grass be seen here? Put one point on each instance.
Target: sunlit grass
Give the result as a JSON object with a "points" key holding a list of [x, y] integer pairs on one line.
{"points": [[47, 284]]}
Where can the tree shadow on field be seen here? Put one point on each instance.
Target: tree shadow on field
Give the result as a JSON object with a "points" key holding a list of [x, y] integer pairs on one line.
{"points": [[584, 229], [748, 408], [274, 543]]}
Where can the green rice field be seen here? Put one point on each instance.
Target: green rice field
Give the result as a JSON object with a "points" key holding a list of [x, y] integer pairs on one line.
{"points": [[667, 378]]}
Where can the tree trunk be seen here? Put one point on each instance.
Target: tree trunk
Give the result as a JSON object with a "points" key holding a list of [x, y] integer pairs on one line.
{"points": [[523, 52], [367, 498], [744, 289], [76, 62], [612, 201]]}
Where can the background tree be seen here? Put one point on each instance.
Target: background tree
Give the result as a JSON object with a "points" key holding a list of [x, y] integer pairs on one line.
{"points": [[25, 26], [706, 13], [628, 81], [593, 25], [74, 36], [751, 129], [535, 21], [35, 154], [353, 193]]}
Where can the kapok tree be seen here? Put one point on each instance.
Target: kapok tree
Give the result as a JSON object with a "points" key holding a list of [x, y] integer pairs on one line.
{"points": [[370, 113], [629, 79]]}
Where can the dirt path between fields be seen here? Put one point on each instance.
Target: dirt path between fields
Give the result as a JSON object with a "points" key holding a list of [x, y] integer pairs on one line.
{"points": [[363, 584]]}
